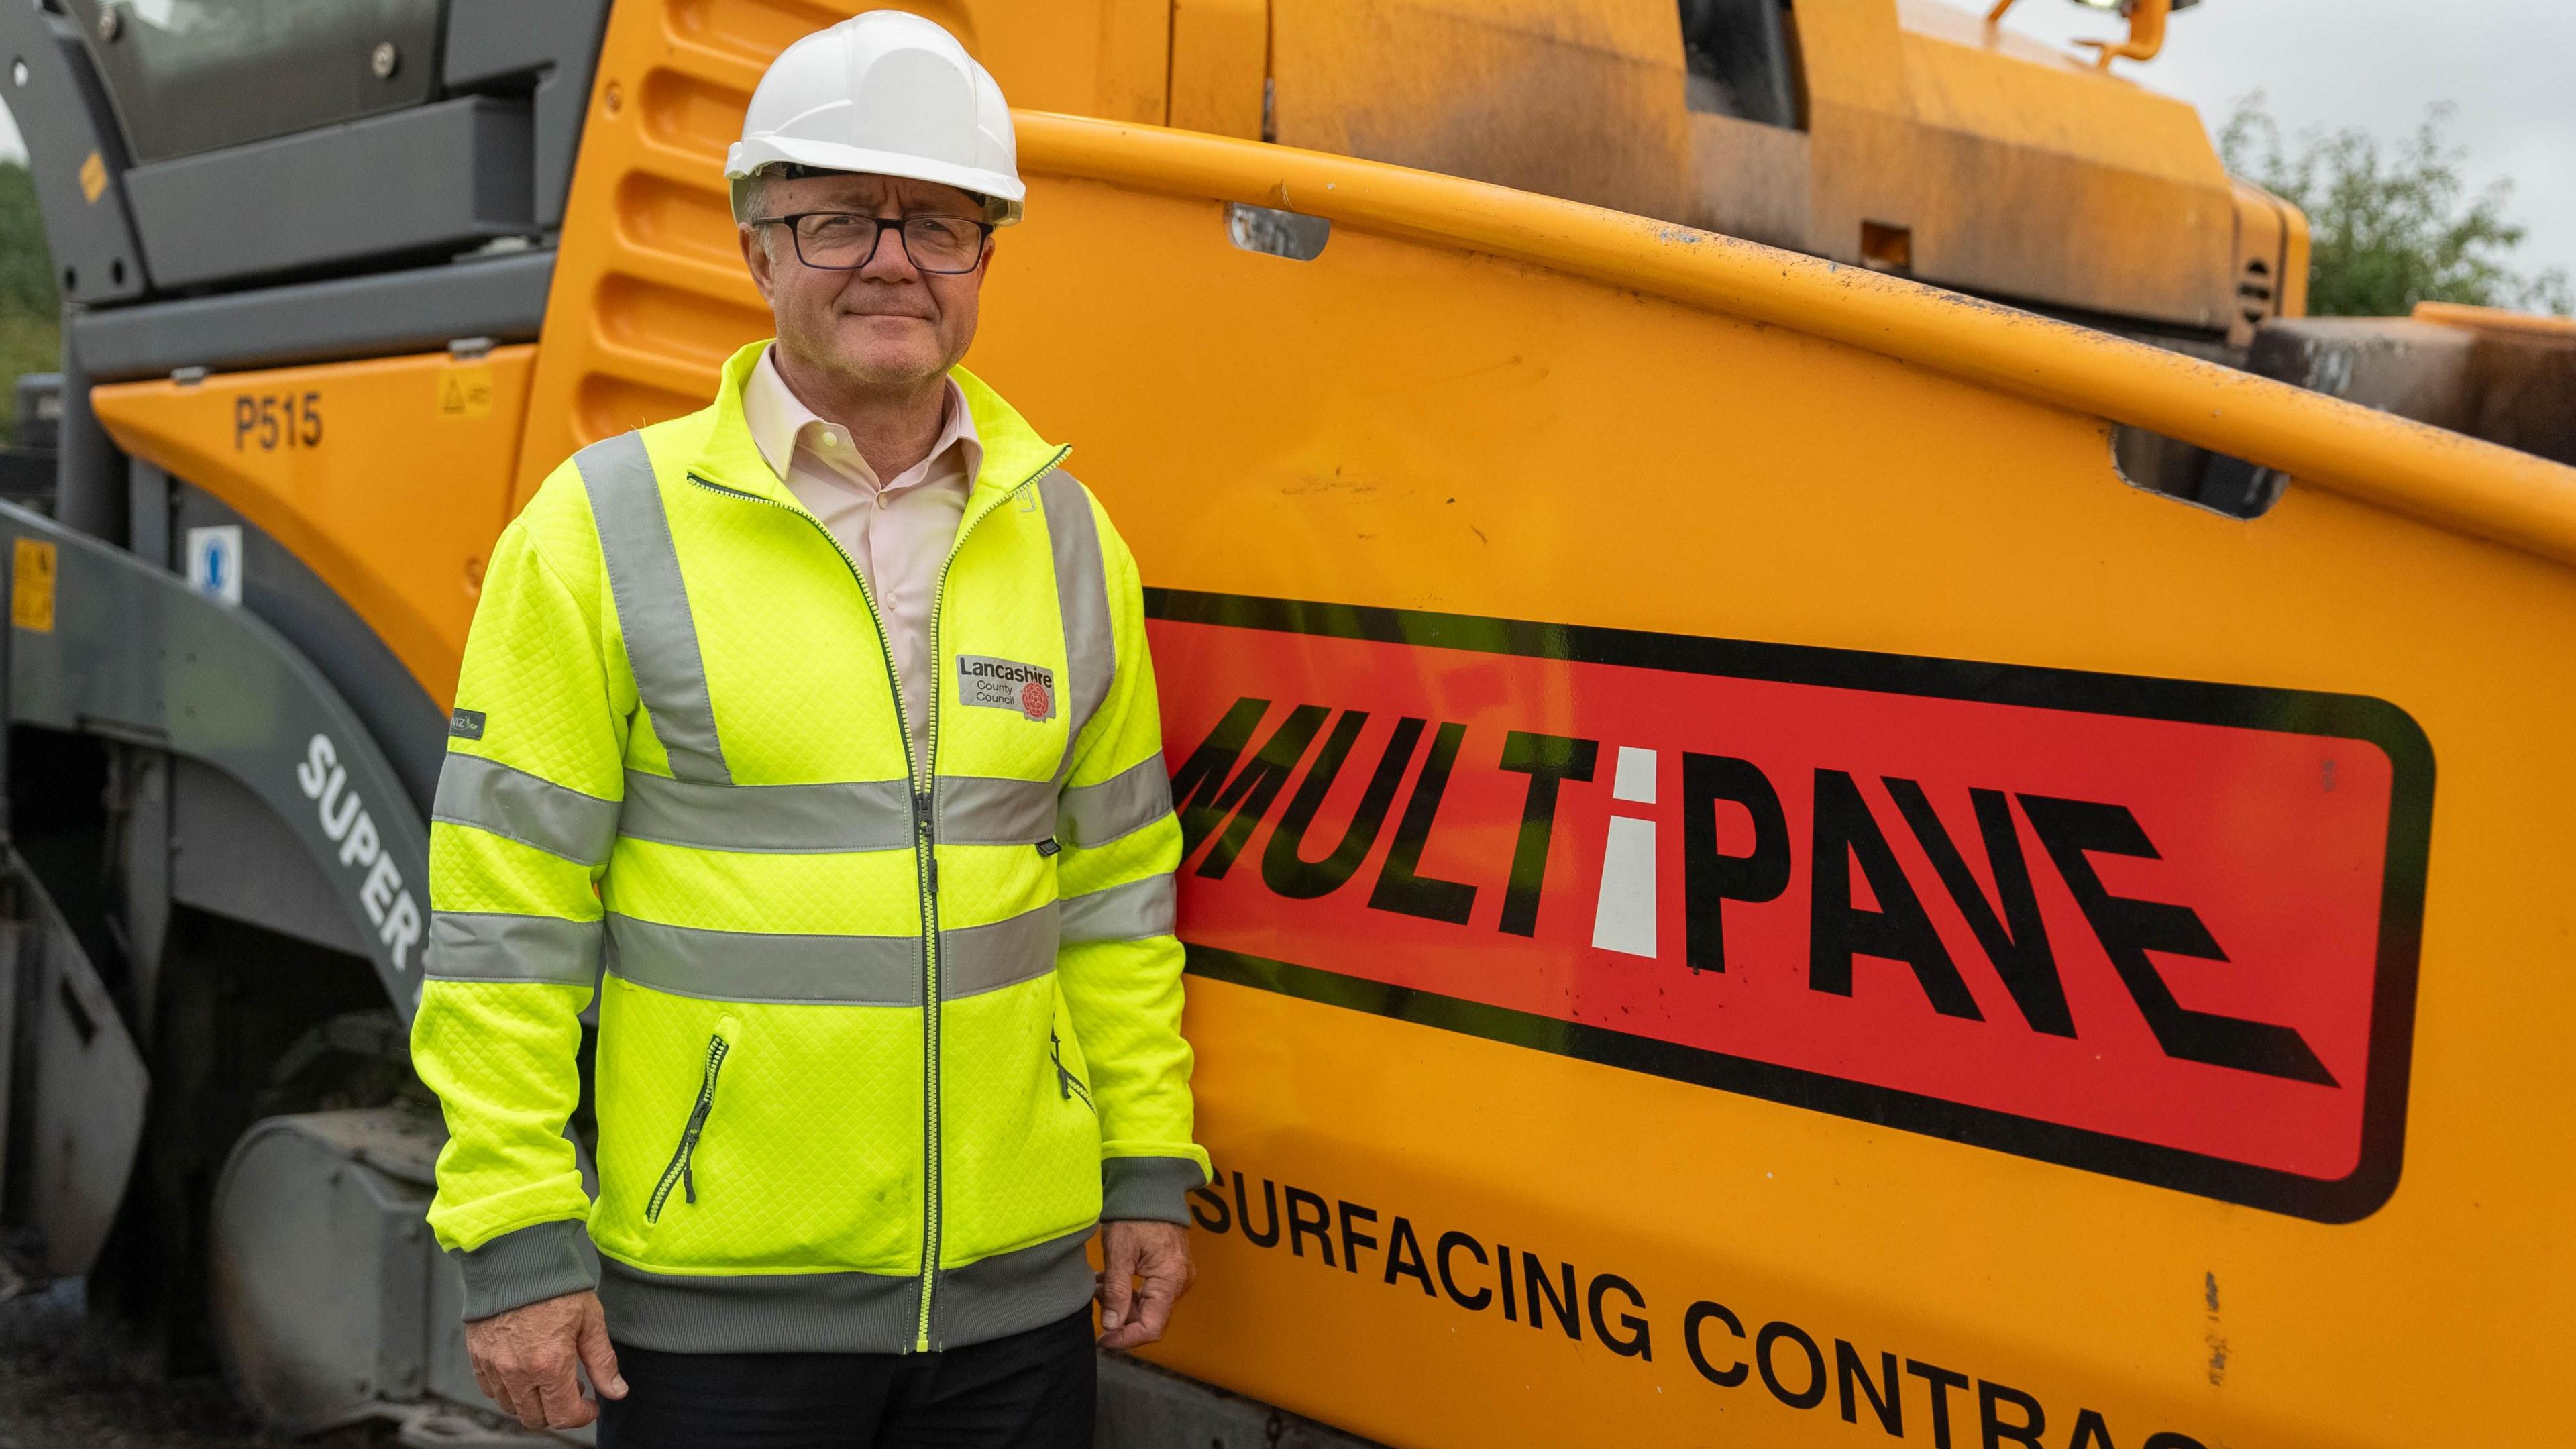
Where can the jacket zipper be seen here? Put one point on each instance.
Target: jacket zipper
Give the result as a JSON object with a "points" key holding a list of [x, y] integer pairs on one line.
{"points": [[680, 1172], [925, 845], [1067, 1085], [930, 905]]}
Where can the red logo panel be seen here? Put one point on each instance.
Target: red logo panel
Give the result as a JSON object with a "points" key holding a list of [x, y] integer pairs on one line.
{"points": [[2154, 928]]}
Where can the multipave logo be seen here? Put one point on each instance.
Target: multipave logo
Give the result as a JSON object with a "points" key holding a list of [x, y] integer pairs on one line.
{"points": [[1001, 684], [2146, 927]]}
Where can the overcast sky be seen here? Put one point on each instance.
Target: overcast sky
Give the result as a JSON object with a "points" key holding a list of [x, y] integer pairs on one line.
{"points": [[2509, 65]]}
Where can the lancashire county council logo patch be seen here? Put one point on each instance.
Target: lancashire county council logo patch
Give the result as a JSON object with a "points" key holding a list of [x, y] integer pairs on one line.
{"points": [[986, 683]]}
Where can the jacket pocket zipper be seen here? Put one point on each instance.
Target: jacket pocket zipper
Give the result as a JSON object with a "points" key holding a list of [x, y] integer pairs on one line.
{"points": [[1067, 1085], [680, 1173]]}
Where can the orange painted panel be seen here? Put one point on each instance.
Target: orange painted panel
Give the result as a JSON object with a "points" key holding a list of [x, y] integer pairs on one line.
{"points": [[388, 478], [1418, 428]]}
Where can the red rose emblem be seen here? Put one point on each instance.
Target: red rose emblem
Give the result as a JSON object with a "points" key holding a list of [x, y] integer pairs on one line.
{"points": [[1034, 700]]}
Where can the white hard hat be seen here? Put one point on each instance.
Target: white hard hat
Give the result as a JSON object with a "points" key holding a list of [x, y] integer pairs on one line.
{"points": [[888, 93]]}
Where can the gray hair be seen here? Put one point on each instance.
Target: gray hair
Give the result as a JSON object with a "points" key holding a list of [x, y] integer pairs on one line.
{"points": [[748, 191]]}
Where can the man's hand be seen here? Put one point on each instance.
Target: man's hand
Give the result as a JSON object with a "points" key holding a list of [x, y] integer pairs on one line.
{"points": [[1157, 1252], [523, 1359]]}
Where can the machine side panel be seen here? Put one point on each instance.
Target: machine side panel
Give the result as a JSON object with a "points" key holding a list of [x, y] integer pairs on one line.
{"points": [[229, 855], [501, 298], [429, 180], [397, 708], [493, 41], [2054, 184], [1426, 432], [86, 1082], [186, 80], [104, 643], [387, 478]]}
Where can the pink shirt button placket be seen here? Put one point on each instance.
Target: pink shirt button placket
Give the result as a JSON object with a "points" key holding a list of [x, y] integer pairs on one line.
{"points": [[898, 531]]}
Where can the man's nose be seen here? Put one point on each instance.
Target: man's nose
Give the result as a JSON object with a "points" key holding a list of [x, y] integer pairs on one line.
{"points": [[892, 261]]}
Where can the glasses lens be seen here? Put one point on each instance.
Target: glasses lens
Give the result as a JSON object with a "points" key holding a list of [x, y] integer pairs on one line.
{"points": [[834, 238], [943, 243]]}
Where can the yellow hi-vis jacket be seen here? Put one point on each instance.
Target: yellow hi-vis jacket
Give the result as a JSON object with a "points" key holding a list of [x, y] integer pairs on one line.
{"points": [[877, 1050]]}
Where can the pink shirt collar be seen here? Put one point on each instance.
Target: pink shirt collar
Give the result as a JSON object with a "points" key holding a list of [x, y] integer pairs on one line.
{"points": [[781, 424]]}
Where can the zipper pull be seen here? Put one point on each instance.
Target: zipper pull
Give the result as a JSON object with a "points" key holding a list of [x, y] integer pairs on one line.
{"points": [[1063, 1078], [689, 1183], [921, 828]]}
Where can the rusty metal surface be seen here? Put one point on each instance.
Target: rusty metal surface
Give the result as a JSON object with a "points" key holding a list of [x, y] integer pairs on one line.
{"points": [[2509, 384]]}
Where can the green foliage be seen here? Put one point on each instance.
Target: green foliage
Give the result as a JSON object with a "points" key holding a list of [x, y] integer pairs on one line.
{"points": [[26, 270], [31, 338], [2391, 225]]}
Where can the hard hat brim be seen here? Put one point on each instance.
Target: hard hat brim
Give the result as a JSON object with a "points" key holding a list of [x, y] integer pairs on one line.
{"points": [[1005, 191]]}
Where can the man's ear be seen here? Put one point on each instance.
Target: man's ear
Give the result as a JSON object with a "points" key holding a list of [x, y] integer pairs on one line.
{"points": [[755, 258]]}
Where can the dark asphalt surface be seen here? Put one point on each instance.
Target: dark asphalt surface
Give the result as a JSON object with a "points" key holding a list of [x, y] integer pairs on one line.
{"points": [[64, 1385]]}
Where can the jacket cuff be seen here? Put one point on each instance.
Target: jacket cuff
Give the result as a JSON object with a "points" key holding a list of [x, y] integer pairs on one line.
{"points": [[527, 1265], [1136, 1189]]}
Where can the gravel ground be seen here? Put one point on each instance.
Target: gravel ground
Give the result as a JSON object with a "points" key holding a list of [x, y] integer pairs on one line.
{"points": [[63, 1385]]}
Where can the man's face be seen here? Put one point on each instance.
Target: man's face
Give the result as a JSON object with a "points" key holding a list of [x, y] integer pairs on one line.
{"points": [[885, 324]]}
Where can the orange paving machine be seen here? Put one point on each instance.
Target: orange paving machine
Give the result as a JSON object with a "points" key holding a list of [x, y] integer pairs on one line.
{"points": [[1836, 791]]}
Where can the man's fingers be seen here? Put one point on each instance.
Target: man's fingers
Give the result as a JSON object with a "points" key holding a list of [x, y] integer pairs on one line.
{"points": [[1116, 1293], [558, 1395], [599, 1356], [529, 1360], [518, 1396], [1163, 1289], [1118, 1253], [494, 1379], [1143, 1321], [483, 1380], [1153, 1307]]}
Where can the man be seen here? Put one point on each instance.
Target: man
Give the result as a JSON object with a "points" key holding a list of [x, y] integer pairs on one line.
{"points": [[801, 712]]}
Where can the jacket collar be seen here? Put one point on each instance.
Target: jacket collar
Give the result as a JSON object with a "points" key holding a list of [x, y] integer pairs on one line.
{"points": [[1013, 452]]}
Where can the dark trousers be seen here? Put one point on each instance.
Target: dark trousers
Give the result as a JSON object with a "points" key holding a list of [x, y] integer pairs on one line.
{"points": [[1032, 1390]]}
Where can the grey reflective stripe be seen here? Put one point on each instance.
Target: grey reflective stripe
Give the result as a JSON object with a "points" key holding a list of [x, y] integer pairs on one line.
{"points": [[850, 1312], [977, 959], [1123, 804], [489, 795], [976, 810], [1129, 912], [858, 815], [854, 815], [760, 966], [492, 946], [652, 603], [1082, 596]]}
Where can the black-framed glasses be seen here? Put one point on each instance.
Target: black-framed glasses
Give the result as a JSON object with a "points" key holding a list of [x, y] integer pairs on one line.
{"points": [[844, 241]]}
